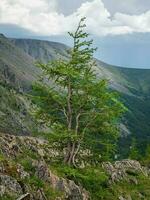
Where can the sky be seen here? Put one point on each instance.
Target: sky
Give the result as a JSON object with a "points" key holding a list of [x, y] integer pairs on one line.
{"points": [[120, 28]]}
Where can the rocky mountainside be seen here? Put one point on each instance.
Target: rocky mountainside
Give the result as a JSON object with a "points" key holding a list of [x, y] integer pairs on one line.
{"points": [[25, 172], [42, 51], [18, 71], [28, 172]]}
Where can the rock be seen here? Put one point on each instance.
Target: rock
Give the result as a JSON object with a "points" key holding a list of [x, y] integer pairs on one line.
{"points": [[2, 190], [21, 172], [121, 198], [125, 198], [122, 169], [40, 195], [12, 146], [9, 185], [41, 152]]}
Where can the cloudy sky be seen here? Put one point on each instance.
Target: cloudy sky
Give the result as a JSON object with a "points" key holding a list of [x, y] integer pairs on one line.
{"points": [[121, 28]]}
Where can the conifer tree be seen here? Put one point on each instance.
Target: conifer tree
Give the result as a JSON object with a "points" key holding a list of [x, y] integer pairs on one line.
{"points": [[77, 106]]}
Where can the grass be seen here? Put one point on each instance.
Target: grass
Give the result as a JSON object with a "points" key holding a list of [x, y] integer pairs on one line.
{"points": [[27, 164]]}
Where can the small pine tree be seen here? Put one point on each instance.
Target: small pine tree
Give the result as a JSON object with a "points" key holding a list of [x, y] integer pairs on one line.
{"points": [[79, 108]]}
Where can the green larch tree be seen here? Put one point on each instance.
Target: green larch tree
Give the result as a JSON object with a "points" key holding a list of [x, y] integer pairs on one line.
{"points": [[79, 108]]}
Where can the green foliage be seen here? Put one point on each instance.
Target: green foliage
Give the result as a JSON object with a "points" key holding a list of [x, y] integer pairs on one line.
{"points": [[2, 158], [34, 181], [147, 153], [146, 158], [134, 152]]}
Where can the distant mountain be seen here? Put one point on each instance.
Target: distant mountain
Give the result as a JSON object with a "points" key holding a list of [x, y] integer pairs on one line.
{"points": [[42, 51], [16, 67], [18, 71]]}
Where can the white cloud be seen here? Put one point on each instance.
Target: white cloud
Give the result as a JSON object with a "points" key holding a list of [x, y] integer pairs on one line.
{"points": [[127, 6], [100, 21], [42, 17], [137, 23]]}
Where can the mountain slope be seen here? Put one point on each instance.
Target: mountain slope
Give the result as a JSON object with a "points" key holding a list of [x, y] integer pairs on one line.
{"points": [[42, 51], [134, 79], [17, 66], [17, 71]]}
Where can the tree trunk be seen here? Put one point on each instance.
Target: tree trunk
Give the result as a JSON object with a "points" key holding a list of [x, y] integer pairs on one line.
{"points": [[69, 121], [75, 154], [66, 157], [71, 154]]}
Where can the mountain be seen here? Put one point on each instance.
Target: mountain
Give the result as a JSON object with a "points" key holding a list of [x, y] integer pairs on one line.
{"points": [[18, 71]]}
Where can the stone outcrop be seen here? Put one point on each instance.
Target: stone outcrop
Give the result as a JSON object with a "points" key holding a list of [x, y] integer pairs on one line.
{"points": [[9, 185], [121, 170], [12, 146]]}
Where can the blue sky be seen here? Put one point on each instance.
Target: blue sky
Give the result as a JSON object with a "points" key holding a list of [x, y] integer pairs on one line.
{"points": [[121, 29]]}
